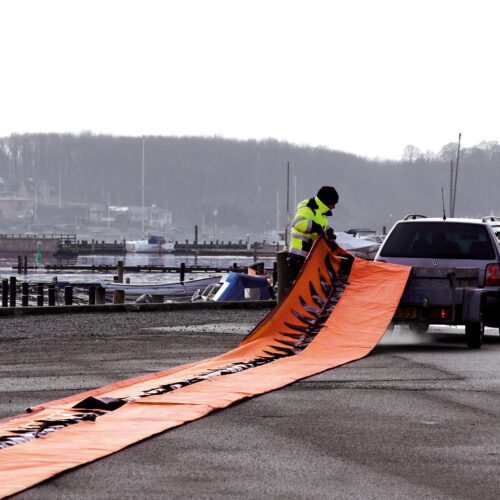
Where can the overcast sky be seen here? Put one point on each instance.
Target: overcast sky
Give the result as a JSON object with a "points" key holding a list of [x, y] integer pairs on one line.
{"points": [[362, 76]]}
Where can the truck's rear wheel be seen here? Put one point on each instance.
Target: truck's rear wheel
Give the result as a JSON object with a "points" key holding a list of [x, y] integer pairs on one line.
{"points": [[474, 334]]}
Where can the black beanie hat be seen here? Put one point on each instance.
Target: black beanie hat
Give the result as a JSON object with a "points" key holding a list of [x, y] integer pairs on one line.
{"points": [[328, 195]]}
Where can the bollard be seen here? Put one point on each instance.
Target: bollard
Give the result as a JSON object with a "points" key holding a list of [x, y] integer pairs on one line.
{"points": [[19, 264], [52, 294], [183, 271], [119, 297], [25, 294], [39, 295], [68, 295], [100, 295], [119, 270], [92, 294], [283, 273], [5, 293], [12, 290]]}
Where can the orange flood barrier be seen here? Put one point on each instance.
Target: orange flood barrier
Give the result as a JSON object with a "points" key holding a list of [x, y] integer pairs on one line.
{"points": [[336, 313]]}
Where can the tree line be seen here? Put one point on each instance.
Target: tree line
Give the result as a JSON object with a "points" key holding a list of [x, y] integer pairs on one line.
{"points": [[245, 181]]}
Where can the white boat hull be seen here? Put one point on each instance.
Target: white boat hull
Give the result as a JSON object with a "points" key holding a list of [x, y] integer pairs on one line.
{"points": [[187, 287], [145, 247]]}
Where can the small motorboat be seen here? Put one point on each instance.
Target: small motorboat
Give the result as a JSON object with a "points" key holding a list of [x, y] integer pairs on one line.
{"points": [[170, 291]]}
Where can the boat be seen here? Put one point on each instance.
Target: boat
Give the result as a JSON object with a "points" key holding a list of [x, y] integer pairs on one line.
{"points": [[237, 287], [170, 291], [359, 244], [153, 244]]}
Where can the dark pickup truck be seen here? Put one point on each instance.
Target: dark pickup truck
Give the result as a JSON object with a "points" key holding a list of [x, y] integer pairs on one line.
{"points": [[455, 278]]}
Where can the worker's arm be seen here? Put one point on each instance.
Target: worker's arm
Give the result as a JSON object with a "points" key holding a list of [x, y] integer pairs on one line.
{"points": [[303, 222]]}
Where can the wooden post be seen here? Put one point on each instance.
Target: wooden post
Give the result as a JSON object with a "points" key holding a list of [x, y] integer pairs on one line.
{"points": [[275, 273], [118, 297], [283, 274], [39, 295], [25, 294], [68, 295], [19, 264], [100, 295], [25, 264], [12, 290], [5, 293], [52, 294], [183, 272], [119, 270], [92, 289]]}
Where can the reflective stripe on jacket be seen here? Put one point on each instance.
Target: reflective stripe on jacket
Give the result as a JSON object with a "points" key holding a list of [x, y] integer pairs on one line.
{"points": [[302, 235]]}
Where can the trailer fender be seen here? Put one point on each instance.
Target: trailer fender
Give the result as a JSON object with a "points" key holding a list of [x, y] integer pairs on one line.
{"points": [[472, 308]]}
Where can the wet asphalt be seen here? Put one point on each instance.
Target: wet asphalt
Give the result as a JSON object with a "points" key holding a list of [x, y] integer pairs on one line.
{"points": [[418, 418]]}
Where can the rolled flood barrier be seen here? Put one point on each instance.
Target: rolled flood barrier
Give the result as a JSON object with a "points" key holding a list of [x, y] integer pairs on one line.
{"points": [[336, 312]]}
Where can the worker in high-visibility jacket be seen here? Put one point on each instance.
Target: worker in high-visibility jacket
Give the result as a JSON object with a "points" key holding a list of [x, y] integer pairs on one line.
{"points": [[309, 222]]}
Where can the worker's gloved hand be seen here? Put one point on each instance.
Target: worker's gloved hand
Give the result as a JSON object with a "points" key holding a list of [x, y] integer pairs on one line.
{"points": [[316, 228], [330, 235]]}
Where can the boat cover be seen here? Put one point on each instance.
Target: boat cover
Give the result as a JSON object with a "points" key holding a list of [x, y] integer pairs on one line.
{"points": [[156, 240], [238, 282], [335, 313]]}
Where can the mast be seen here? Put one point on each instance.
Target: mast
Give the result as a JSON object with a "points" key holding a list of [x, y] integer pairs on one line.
{"points": [[278, 215], [142, 186], [108, 210], [287, 200]]}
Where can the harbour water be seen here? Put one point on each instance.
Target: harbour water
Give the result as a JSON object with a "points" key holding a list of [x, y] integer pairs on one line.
{"points": [[8, 267]]}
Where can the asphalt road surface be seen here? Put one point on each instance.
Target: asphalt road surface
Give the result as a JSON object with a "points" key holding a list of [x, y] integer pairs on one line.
{"points": [[418, 418]]}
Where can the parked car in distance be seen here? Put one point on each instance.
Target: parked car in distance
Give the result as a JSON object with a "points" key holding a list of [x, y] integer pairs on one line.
{"points": [[456, 272]]}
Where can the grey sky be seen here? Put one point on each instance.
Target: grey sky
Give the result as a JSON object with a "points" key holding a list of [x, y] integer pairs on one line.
{"points": [[368, 77]]}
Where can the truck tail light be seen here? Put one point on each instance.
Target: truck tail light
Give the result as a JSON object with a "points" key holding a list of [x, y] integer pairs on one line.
{"points": [[440, 313], [492, 277]]}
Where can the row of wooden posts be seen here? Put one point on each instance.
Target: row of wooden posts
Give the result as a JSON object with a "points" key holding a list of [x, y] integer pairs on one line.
{"points": [[97, 293]]}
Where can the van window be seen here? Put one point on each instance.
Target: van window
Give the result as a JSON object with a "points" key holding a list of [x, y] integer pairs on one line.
{"points": [[445, 240]]}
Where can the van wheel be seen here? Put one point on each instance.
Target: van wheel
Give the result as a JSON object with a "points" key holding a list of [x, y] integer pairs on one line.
{"points": [[474, 334]]}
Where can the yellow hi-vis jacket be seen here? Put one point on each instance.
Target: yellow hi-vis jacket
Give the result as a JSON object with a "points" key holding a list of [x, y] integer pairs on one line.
{"points": [[311, 217]]}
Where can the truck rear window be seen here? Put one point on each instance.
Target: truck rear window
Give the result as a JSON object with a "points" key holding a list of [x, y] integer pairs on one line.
{"points": [[445, 240]]}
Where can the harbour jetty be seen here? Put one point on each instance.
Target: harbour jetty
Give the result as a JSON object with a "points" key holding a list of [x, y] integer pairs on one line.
{"points": [[67, 245], [30, 243]]}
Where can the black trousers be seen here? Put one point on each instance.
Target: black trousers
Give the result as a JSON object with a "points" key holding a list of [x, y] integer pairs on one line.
{"points": [[295, 263]]}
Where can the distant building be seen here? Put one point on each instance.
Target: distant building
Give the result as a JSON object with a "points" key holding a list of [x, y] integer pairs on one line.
{"points": [[154, 217], [15, 203]]}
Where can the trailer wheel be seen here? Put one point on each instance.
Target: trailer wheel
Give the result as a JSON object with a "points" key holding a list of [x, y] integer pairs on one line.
{"points": [[474, 334], [419, 328]]}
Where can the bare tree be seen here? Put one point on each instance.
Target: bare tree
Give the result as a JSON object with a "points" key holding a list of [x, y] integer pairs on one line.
{"points": [[411, 153]]}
